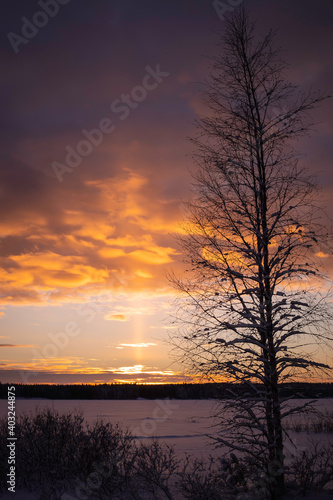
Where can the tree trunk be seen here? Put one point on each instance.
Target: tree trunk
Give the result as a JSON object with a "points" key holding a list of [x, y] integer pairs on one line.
{"points": [[276, 466]]}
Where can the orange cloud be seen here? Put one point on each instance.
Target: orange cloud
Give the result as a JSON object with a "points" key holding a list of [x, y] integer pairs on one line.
{"points": [[322, 255], [111, 253], [143, 274], [45, 271], [142, 344], [16, 345], [153, 255], [99, 245], [115, 317]]}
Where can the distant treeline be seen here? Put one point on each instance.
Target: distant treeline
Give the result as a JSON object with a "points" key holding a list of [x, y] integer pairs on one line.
{"points": [[175, 391]]}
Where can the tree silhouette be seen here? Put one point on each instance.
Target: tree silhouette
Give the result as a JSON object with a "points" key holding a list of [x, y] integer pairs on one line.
{"points": [[253, 300]]}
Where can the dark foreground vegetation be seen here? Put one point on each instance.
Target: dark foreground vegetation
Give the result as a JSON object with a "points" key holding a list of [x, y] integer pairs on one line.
{"points": [[59, 454], [176, 391]]}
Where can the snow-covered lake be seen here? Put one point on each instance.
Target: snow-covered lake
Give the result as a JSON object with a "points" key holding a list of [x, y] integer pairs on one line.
{"points": [[182, 423], [185, 424]]}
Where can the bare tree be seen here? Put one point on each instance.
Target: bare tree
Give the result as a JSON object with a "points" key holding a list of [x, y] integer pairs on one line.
{"points": [[254, 299]]}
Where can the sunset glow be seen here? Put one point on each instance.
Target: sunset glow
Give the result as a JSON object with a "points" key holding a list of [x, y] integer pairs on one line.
{"points": [[84, 258]]}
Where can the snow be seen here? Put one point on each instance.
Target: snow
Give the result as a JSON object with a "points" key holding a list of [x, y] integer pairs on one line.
{"points": [[182, 423], [185, 424]]}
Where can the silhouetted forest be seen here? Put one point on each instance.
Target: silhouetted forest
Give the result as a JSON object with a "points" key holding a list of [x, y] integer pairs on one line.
{"points": [[175, 391]]}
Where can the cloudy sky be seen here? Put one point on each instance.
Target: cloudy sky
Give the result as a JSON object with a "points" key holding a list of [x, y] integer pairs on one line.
{"points": [[87, 239]]}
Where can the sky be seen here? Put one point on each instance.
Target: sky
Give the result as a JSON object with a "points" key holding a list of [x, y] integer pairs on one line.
{"points": [[87, 229]]}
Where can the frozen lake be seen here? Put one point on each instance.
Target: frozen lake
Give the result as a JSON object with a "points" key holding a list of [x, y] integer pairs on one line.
{"points": [[185, 424], [182, 423]]}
